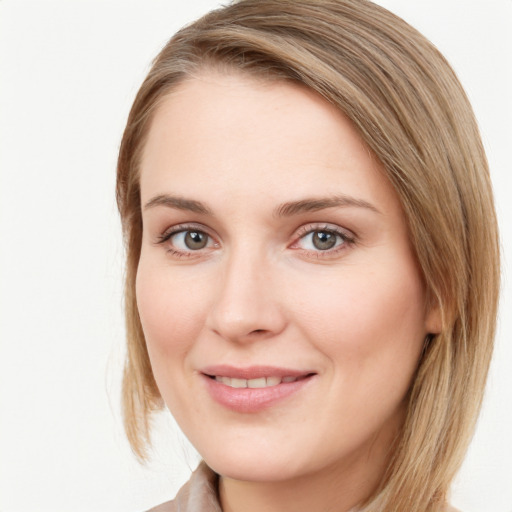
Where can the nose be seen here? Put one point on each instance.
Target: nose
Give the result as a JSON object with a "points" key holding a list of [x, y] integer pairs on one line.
{"points": [[246, 306]]}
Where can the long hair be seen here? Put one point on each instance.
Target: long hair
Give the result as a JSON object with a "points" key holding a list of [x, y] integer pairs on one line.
{"points": [[410, 109]]}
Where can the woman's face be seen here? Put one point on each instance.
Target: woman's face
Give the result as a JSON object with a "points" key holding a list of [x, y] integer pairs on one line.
{"points": [[281, 303]]}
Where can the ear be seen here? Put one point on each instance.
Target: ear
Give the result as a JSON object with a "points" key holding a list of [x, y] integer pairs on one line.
{"points": [[433, 319]]}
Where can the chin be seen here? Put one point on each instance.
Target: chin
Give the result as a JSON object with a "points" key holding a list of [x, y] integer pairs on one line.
{"points": [[247, 468]]}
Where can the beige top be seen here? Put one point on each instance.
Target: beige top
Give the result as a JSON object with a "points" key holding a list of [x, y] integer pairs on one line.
{"points": [[199, 494]]}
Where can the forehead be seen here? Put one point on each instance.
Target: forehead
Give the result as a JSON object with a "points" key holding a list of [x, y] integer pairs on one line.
{"points": [[232, 134]]}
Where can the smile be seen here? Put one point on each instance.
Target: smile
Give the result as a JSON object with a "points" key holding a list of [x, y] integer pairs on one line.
{"points": [[262, 382], [250, 390]]}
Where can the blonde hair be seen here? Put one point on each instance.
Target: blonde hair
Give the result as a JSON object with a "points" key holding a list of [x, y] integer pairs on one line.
{"points": [[408, 106]]}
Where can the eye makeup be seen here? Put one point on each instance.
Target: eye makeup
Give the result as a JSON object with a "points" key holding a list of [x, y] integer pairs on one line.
{"points": [[318, 240], [322, 240], [187, 240]]}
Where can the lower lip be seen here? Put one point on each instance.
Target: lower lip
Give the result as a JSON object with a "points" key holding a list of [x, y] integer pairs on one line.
{"points": [[250, 400]]}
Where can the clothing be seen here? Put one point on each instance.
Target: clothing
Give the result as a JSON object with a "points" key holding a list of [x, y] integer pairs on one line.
{"points": [[199, 494]]}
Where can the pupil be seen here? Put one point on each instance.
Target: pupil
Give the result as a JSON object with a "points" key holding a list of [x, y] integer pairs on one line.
{"points": [[324, 240], [195, 240]]}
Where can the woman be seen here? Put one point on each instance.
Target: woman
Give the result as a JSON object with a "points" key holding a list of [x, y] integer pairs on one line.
{"points": [[313, 268]]}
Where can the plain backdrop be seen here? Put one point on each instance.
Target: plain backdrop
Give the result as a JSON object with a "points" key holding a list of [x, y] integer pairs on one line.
{"points": [[69, 71]]}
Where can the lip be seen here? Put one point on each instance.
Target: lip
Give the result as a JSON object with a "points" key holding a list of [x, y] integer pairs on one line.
{"points": [[252, 400], [252, 372]]}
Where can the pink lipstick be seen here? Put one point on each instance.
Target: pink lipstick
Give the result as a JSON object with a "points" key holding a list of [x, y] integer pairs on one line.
{"points": [[255, 388]]}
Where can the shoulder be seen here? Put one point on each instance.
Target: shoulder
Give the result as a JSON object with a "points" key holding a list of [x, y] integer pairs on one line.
{"points": [[199, 494], [449, 508]]}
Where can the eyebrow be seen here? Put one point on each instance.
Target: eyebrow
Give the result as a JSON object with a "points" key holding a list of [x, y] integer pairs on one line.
{"points": [[284, 210], [315, 204], [178, 203]]}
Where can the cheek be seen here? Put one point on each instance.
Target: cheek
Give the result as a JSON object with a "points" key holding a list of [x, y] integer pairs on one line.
{"points": [[370, 327], [364, 319], [170, 312]]}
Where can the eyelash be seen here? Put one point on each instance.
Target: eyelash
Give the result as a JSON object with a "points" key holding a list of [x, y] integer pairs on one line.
{"points": [[182, 228], [347, 239]]}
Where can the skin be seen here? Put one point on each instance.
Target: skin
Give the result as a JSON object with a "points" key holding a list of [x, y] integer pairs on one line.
{"points": [[261, 293]]}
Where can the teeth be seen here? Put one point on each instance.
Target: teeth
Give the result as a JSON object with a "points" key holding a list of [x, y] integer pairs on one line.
{"points": [[262, 382], [238, 383], [257, 383]]}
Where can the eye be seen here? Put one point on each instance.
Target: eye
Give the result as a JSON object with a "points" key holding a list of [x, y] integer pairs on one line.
{"points": [[191, 240], [185, 240], [322, 240]]}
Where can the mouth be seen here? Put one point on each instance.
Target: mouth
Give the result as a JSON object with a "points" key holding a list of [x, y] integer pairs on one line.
{"points": [[257, 383], [252, 389]]}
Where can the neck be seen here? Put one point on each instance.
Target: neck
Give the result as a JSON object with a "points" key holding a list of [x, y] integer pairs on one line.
{"points": [[340, 487]]}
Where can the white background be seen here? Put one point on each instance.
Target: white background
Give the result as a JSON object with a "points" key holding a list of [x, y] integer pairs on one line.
{"points": [[68, 73]]}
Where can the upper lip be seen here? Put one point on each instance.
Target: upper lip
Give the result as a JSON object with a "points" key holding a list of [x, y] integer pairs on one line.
{"points": [[252, 372]]}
